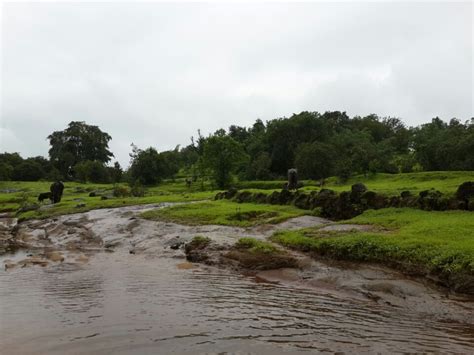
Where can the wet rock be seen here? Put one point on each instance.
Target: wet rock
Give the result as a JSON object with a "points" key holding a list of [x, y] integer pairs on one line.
{"points": [[31, 207], [176, 245], [55, 256], [261, 261], [196, 250]]}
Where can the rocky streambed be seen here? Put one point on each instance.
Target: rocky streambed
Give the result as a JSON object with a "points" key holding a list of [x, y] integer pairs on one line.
{"points": [[108, 281]]}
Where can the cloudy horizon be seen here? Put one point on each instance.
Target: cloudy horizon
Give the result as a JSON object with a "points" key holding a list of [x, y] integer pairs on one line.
{"points": [[155, 73]]}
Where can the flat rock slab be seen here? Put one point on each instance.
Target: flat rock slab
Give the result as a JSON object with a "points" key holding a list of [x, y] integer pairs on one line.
{"points": [[302, 222], [7, 224]]}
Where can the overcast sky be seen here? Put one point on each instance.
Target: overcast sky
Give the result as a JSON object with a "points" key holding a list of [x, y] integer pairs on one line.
{"points": [[154, 73]]}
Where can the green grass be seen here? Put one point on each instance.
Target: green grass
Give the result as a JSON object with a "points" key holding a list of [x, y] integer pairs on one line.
{"points": [[390, 184], [77, 193], [255, 246], [224, 212], [413, 240]]}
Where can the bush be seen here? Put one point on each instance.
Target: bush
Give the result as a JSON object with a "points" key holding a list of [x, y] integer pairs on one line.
{"points": [[121, 191], [138, 190]]}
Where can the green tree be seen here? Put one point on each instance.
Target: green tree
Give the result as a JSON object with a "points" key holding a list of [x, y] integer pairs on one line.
{"points": [[6, 171], [314, 160], [147, 166], [259, 168], [116, 172], [28, 171], [222, 155], [78, 142], [91, 171]]}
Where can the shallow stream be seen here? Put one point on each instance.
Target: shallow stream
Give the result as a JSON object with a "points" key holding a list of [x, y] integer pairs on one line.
{"points": [[121, 289]]}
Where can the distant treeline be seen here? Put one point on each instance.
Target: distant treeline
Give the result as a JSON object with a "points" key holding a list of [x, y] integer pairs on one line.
{"points": [[318, 145]]}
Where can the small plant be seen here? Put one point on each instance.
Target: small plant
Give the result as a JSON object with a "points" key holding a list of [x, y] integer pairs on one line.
{"points": [[121, 191], [138, 190], [255, 246]]}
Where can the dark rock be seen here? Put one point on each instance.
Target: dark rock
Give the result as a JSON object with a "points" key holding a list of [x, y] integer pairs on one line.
{"points": [[260, 197], [27, 208], [465, 192], [92, 194], [273, 198], [104, 198], [394, 201], [231, 193], [470, 205], [243, 196], [176, 245], [358, 188], [80, 205], [374, 200], [430, 200], [285, 197], [302, 201], [405, 194], [219, 196]]}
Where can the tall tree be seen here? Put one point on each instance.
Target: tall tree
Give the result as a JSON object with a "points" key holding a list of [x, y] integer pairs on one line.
{"points": [[222, 155], [78, 142]]}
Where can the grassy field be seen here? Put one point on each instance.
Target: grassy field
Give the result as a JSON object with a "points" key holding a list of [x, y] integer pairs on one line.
{"points": [[390, 184], [412, 240], [25, 193], [224, 212], [76, 194]]}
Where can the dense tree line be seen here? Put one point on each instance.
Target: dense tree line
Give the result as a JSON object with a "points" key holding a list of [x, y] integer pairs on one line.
{"points": [[318, 145]]}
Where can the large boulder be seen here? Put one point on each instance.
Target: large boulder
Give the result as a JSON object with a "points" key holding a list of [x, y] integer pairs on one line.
{"points": [[465, 192], [371, 199], [302, 201], [358, 188], [260, 197], [285, 197], [230, 193], [243, 196], [430, 200]]}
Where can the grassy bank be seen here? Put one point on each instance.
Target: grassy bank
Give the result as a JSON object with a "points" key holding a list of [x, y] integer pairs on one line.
{"points": [[420, 242], [224, 212], [391, 184], [14, 195]]}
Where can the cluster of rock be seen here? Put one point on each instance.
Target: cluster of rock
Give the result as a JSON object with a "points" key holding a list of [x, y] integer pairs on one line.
{"points": [[8, 226], [348, 204]]}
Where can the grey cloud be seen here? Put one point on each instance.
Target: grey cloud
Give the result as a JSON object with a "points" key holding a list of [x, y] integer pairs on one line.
{"points": [[153, 73]]}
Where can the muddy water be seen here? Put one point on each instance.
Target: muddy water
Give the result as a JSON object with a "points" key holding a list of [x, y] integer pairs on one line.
{"points": [[121, 289]]}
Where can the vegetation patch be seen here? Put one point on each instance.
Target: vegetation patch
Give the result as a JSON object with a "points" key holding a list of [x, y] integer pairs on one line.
{"points": [[224, 212], [80, 197], [439, 245], [255, 254], [247, 253]]}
